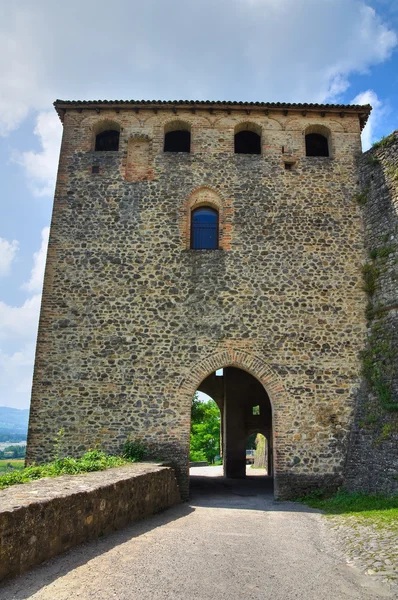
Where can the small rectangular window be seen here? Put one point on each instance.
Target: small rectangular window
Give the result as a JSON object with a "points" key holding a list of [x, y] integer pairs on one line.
{"points": [[256, 410], [95, 169]]}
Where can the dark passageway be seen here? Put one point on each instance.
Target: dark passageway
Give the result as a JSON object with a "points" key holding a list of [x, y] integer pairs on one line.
{"points": [[245, 409]]}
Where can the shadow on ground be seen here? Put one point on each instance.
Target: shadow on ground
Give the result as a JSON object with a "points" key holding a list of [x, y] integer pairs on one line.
{"points": [[252, 493]]}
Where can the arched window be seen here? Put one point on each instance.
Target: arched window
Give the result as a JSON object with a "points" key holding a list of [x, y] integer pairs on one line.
{"points": [[178, 140], [247, 142], [107, 141], [204, 228], [316, 144]]}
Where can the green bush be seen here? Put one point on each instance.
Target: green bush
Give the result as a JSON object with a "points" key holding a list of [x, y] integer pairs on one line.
{"points": [[93, 460], [197, 456], [370, 274], [133, 450], [361, 198]]}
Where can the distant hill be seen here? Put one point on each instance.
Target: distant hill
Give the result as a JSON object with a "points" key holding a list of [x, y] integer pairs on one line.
{"points": [[13, 423]]}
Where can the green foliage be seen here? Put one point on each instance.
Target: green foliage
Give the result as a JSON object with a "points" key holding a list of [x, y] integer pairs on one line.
{"points": [[133, 450], [382, 252], [362, 197], [378, 365], [392, 171], [379, 509], [385, 141], [13, 452], [197, 456], [251, 442], [93, 460], [205, 430], [380, 356], [259, 455], [372, 160], [370, 274], [11, 465]]}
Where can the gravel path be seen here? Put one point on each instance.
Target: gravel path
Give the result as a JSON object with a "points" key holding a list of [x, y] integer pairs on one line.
{"points": [[231, 541], [371, 549]]}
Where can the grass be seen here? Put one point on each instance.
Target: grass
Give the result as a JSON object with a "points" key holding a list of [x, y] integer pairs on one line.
{"points": [[386, 141], [373, 509], [16, 463], [94, 460]]}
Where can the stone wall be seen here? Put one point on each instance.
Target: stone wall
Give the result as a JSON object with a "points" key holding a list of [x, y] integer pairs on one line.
{"points": [[373, 458], [133, 320], [44, 518]]}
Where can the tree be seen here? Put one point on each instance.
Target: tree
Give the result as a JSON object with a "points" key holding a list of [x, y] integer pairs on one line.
{"points": [[205, 430], [260, 454]]}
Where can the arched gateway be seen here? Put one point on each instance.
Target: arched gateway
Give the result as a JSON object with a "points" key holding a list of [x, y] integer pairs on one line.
{"points": [[137, 313], [237, 389]]}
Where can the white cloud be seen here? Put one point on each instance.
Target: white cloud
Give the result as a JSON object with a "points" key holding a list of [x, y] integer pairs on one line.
{"points": [[35, 282], [16, 372], [41, 167], [18, 329], [378, 111], [8, 251], [280, 50], [20, 322], [22, 82]]}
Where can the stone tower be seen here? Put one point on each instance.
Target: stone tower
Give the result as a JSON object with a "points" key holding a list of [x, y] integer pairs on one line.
{"points": [[189, 237]]}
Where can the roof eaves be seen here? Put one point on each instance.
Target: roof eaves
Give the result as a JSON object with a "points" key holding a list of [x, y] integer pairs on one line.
{"points": [[363, 110]]}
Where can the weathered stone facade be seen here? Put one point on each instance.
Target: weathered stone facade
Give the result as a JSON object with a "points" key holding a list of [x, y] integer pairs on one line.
{"points": [[373, 456], [133, 320]]}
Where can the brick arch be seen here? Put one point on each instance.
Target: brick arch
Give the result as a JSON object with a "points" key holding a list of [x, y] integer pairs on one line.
{"points": [[258, 368], [324, 130], [248, 125], [206, 196], [231, 357]]}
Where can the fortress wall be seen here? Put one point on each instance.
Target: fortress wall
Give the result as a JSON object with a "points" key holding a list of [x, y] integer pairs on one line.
{"points": [[129, 311], [373, 456]]}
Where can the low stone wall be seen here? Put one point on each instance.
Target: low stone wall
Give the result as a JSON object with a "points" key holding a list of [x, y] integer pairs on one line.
{"points": [[41, 519]]}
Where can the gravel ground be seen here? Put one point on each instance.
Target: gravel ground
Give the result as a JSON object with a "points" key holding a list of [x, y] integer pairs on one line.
{"points": [[371, 549], [232, 541]]}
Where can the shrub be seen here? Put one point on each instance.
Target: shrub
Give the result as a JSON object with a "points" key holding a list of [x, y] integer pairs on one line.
{"points": [[385, 141], [93, 460], [133, 450], [370, 274]]}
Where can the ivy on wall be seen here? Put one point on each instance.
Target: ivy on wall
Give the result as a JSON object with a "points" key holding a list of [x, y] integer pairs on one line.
{"points": [[380, 356]]}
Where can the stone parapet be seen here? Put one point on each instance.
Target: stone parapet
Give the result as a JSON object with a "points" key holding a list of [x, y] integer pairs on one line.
{"points": [[41, 519]]}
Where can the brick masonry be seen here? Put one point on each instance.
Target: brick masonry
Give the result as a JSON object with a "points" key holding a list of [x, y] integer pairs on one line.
{"points": [[132, 320], [41, 519]]}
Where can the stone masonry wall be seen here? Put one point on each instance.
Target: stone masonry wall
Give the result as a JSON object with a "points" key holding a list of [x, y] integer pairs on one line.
{"points": [[373, 458], [41, 519], [132, 320]]}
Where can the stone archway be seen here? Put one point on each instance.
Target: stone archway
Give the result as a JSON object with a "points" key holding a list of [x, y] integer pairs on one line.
{"points": [[255, 366]]}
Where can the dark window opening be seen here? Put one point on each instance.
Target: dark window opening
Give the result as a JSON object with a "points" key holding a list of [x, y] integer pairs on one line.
{"points": [[316, 145], [247, 142], [204, 229], [288, 166], [107, 141], [95, 169], [177, 141]]}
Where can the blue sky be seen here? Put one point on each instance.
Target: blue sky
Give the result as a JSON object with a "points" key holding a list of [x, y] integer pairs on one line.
{"points": [[267, 50]]}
